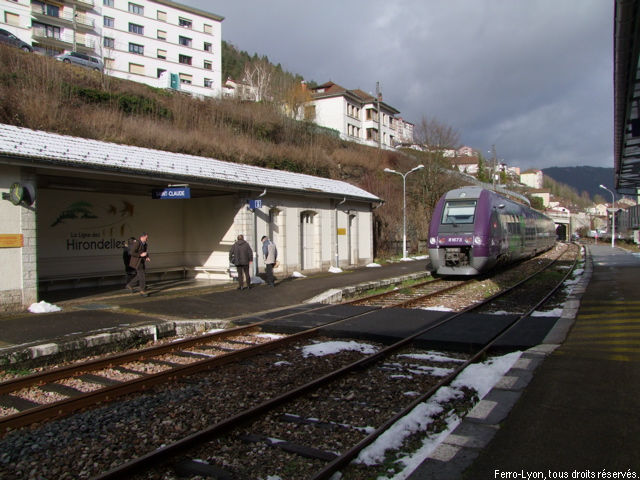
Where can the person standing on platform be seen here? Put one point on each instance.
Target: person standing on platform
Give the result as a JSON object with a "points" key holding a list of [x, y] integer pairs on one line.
{"points": [[241, 255], [139, 257], [270, 253], [126, 259]]}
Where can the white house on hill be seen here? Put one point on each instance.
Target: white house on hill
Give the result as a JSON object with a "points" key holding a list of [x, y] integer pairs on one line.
{"points": [[354, 114], [532, 178]]}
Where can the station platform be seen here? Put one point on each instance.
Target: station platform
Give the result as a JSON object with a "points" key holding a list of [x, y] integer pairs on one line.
{"points": [[569, 407], [98, 317]]}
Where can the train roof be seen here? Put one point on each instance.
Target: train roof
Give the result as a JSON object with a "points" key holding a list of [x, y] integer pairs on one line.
{"points": [[464, 192], [474, 192]]}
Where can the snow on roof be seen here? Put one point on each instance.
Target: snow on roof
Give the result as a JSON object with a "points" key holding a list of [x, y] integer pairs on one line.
{"points": [[55, 149]]}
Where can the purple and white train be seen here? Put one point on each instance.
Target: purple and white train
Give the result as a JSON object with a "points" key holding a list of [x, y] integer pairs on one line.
{"points": [[473, 230]]}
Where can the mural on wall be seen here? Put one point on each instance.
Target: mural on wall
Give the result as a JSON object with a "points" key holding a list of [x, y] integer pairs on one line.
{"points": [[116, 225], [84, 226], [85, 232]]}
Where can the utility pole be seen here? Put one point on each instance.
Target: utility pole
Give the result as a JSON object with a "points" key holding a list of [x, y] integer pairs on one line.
{"points": [[75, 27], [493, 168]]}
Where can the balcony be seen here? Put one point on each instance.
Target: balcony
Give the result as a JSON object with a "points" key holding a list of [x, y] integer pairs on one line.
{"points": [[64, 18], [63, 40], [88, 4], [52, 38]]}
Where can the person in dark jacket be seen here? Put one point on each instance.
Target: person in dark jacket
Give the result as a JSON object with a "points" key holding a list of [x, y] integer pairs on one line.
{"points": [[139, 257], [270, 253], [126, 259], [241, 256]]}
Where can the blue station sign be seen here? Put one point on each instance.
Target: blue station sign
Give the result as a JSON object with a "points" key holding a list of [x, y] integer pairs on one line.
{"points": [[171, 193], [255, 204]]}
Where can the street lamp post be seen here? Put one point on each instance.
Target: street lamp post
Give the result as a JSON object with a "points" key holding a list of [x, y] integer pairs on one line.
{"points": [[613, 216], [404, 205]]}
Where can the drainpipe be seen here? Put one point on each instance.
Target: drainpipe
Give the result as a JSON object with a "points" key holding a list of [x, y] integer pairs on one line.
{"points": [[255, 237], [337, 245]]}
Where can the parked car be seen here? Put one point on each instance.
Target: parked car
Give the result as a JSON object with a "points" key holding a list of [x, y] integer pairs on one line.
{"points": [[81, 59], [10, 39]]}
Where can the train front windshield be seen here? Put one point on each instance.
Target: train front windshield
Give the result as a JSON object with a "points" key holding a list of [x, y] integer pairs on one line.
{"points": [[459, 212]]}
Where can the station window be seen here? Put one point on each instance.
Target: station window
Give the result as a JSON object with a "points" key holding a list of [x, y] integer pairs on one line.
{"points": [[186, 79], [162, 35], [185, 22], [208, 65], [109, 22], [162, 54], [162, 16], [185, 59], [185, 41], [208, 47], [108, 42]]}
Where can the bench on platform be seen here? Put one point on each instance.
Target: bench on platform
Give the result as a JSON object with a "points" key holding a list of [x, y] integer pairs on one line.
{"points": [[229, 272]]}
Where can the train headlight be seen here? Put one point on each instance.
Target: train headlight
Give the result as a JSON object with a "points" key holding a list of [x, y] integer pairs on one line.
{"points": [[477, 240], [433, 240]]}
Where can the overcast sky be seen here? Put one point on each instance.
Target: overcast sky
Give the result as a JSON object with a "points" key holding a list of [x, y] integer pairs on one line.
{"points": [[532, 77]]}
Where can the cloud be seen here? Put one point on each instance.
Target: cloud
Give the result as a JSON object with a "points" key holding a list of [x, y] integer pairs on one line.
{"points": [[533, 78]]}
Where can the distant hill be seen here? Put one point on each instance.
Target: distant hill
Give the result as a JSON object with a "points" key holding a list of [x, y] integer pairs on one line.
{"points": [[583, 179]]}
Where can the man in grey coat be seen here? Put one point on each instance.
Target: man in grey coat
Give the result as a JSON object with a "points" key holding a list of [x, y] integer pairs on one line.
{"points": [[270, 253], [241, 256]]}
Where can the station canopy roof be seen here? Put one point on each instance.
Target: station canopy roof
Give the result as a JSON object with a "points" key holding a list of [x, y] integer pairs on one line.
{"points": [[43, 149], [626, 96]]}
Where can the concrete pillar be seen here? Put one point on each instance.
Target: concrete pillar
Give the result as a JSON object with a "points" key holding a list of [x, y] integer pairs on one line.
{"points": [[30, 248]]}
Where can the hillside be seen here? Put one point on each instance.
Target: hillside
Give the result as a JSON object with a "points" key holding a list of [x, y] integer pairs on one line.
{"points": [[583, 179], [43, 94]]}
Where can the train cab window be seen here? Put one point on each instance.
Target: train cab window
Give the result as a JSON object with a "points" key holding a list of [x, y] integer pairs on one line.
{"points": [[459, 212]]}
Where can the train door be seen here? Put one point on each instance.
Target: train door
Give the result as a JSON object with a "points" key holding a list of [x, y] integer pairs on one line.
{"points": [[497, 235]]}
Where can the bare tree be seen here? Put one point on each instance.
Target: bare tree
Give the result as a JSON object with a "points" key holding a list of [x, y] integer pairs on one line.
{"points": [[436, 135], [258, 75]]}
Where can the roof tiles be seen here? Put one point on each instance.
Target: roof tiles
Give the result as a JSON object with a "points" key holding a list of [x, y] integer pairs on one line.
{"points": [[50, 148]]}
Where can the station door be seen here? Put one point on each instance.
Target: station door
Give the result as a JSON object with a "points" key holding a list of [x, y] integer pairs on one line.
{"points": [[308, 240]]}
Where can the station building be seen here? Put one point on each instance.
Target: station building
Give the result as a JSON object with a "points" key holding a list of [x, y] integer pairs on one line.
{"points": [[69, 204]]}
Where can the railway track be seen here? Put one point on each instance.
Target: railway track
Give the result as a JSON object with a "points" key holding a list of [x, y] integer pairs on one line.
{"points": [[404, 297], [265, 401], [266, 427], [82, 385]]}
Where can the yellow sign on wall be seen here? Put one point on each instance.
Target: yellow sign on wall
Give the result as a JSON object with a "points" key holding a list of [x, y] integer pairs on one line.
{"points": [[342, 231], [11, 240]]}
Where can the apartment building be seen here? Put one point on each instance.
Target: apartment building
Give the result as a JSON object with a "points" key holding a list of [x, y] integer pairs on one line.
{"points": [[156, 42], [532, 178], [356, 115], [404, 131]]}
